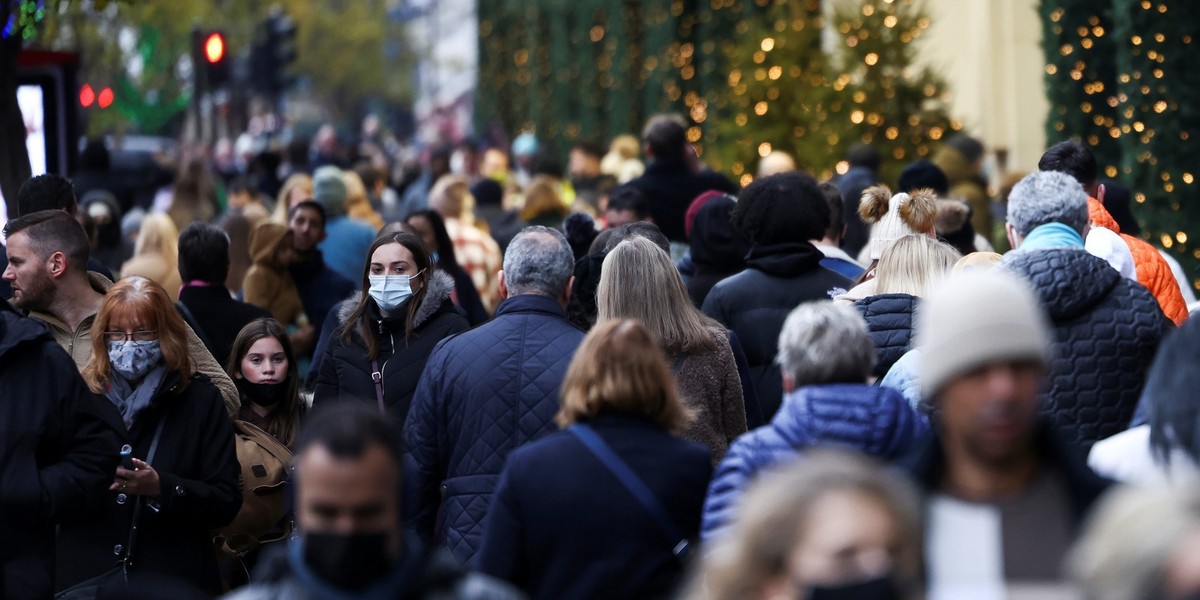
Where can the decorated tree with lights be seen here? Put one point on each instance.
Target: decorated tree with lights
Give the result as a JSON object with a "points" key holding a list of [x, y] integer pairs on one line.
{"points": [[1119, 77], [1159, 88], [593, 69], [1081, 77], [788, 94]]}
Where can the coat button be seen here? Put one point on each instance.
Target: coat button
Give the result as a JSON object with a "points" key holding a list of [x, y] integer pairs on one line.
{"points": [[122, 498], [118, 549], [179, 491]]}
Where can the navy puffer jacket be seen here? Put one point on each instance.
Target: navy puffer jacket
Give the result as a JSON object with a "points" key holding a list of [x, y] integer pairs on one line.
{"points": [[1106, 331], [889, 320], [484, 393], [874, 420]]}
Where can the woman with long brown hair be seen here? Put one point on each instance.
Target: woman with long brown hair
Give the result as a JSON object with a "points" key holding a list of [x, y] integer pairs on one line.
{"points": [[180, 480], [386, 332], [639, 281]]}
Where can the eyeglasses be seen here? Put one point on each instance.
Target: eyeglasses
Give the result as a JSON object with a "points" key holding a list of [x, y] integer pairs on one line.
{"points": [[144, 335]]}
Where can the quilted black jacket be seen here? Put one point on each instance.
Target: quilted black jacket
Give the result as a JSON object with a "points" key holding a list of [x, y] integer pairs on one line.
{"points": [[484, 393], [1106, 330], [890, 324]]}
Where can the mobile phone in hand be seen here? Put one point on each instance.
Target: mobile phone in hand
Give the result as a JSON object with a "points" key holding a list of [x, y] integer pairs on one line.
{"points": [[127, 456]]}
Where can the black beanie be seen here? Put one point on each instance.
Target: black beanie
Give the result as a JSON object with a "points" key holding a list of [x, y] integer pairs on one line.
{"points": [[923, 174]]}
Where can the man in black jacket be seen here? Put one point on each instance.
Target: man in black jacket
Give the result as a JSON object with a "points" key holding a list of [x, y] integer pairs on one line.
{"points": [[674, 176], [58, 453], [1004, 494], [321, 288], [778, 215], [351, 543], [205, 302]]}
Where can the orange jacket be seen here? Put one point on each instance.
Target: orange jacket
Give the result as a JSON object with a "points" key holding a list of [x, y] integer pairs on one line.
{"points": [[1153, 272]]}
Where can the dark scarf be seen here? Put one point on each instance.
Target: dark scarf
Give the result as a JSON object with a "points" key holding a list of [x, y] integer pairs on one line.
{"points": [[131, 398]]}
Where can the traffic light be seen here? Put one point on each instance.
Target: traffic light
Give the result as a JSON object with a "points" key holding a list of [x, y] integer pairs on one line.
{"points": [[273, 54], [88, 97], [214, 59]]}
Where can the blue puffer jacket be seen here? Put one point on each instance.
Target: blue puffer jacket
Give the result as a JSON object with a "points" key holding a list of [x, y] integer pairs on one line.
{"points": [[889, 320], [1106, 331], [484, 392], [874, 420]]}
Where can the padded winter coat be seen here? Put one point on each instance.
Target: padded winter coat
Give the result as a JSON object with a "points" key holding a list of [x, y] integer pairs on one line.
{"points": [[754, 303], [345, 371], [1106, 331], [199, 476], [889, 320], [1153, 271], [870, 419], [484, 393], [58, 452]]}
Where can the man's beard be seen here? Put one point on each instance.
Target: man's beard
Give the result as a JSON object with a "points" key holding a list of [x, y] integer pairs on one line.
{"points": [[35, 296]]}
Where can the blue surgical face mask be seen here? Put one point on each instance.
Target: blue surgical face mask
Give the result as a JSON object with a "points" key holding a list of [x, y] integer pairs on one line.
{"points": [[133, 359], [390, 291]]}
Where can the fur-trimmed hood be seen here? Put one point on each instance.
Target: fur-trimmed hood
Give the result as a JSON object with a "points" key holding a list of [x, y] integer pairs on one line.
{"points": [[438, 288]]}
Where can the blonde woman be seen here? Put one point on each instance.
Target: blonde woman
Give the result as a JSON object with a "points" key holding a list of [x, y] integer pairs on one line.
{"points": [[907, 268], [156, 254], [544, 203], [831, 525], [296, 189], [357, 205], [563, 523], [639, 281]]}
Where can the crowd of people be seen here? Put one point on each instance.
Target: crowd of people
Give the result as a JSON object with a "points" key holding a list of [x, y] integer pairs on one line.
{"points": [[626, 380]]}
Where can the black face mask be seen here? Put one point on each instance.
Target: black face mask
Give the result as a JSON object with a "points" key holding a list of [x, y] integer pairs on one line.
{"points": [[349, 561], [882, 588], [262, 394]]}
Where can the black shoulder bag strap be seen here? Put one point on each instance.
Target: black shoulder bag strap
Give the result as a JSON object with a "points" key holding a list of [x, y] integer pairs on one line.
{"points": [[127, 562], [592, 441], [195, 325]]}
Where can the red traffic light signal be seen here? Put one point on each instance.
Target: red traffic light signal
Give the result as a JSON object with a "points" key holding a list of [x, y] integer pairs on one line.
{"points": [[214, 47], [89, 96]]}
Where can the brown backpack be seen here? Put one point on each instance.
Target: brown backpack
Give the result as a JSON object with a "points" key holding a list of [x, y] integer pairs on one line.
{"points": [[263, 516]]}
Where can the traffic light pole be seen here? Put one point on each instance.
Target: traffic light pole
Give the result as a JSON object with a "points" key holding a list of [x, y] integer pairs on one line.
{"points": [[197, 81]]}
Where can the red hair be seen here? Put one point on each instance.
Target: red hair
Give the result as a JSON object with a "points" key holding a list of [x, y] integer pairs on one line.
{"points": [[148, 301]]}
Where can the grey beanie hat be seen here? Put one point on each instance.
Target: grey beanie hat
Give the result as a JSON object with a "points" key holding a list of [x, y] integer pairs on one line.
{"points": [[975, 318], [329, 189]]}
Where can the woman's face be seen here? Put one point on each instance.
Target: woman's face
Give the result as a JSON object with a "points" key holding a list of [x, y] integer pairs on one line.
{"points": [[265, 362], [848, 537], [394, 259], [424, 230]]}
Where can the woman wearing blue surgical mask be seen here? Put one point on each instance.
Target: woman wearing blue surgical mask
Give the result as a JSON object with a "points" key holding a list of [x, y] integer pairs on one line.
{"points": [[386, 332], [179, 479]]}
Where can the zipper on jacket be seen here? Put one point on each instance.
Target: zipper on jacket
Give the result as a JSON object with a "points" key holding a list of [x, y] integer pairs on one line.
{"points": [[383, 369]]}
